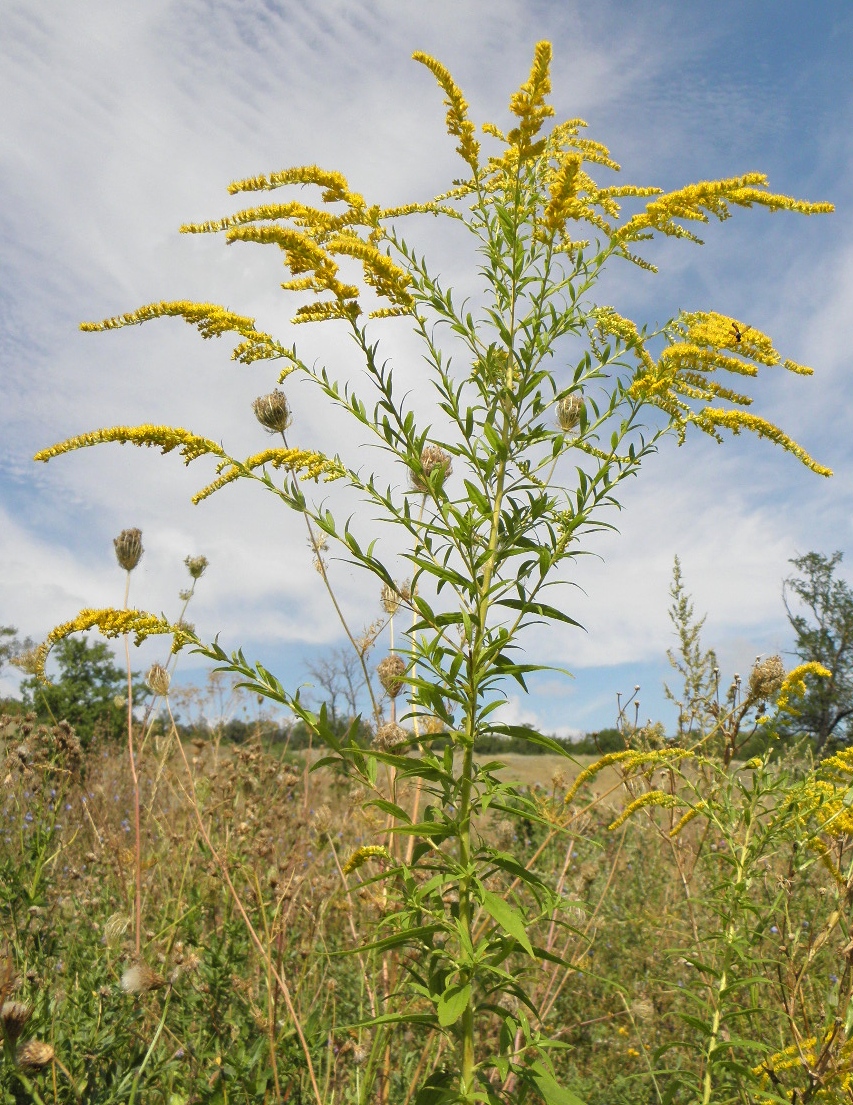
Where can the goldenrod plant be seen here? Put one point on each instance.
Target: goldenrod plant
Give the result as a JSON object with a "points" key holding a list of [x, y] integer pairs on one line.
{"points": [[545, 400]]}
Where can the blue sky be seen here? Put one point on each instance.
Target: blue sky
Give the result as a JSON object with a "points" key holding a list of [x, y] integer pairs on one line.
{"points": [[122, 121]]}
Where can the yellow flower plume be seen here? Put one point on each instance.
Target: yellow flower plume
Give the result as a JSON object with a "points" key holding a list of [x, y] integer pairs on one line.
{"points": [[111, 623]]}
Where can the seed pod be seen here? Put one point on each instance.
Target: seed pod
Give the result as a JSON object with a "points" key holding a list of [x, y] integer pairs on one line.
{"points": [[128, 546], [389, 671], [433, 459], [273, 411]]}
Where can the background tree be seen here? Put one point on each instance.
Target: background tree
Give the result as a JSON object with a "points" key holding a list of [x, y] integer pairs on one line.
{"points": [[89, 692], [824, 634], [338, 675]]}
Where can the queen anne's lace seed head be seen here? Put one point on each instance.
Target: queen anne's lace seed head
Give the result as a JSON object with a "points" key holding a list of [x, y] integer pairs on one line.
{"points": [[196, 566], [128, 546], [158, 679], [433, 459], [273, 411], [389, 736], [390, 671], [569, 411], [766, 678]]}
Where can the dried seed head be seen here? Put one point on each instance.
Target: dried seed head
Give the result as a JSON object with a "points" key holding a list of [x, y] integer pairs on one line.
{"points": [[140, 979], [128, 546], [158, 679], [569, 411], [359, 1054], [433, 459], [389, 736], [389, 671], [34, 1054], [196, 566], [766, 678], [321, 822], [273, 411], [642, 1009], [433, 725], [13, 1016], [390, 598], [114, 928]]}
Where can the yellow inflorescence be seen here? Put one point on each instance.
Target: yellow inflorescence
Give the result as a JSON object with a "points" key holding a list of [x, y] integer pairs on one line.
{"points": [[650, 798], [629, 760], [309, 464], [458, 124], [529, 106], [166, 438], [694, 811], [212, 321], [794, 685], [361, 855], [111, 623]]}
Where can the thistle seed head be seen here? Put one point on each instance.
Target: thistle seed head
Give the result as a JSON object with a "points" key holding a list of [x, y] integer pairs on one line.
{"points": [[140, 979], [569, 411], [13, 1016], [34, 1054], [196, 566], [390, 671], [158, 679], [273, 411], [128, 546], [766, 678], [433, 459]]}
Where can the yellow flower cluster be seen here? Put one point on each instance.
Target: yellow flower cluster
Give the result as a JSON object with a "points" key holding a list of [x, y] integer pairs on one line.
{"points": [[794, 684], [650, 798], [111, 623], [458, 124], [804, 1057], [629, 760], [311, 466], [700, 344], [529, 106], [212, 321], [361, 855], [166, 438]]}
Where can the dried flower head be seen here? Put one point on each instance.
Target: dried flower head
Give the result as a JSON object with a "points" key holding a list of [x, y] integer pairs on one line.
{"points": [[128, 546], [432, 725], [196, 566], [114, 928], [321, 822], [139, 978], [273, 411], [390, 598], [34, 1054], [569, 411], [390, 671], [13, 1016], [389, 736], [766, 678], [158, 679], [433, 459], [28, 661]]}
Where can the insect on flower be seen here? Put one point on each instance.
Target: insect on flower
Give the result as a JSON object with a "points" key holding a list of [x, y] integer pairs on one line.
{"points": [[738, 333]]}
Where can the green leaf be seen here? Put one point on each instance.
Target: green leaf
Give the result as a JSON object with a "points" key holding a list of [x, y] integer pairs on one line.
{"points": [[551, 1090], [453, 1003], [509, 919]]}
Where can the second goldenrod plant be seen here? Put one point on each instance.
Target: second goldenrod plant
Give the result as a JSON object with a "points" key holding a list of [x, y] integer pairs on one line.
{"points": [[548, 402]]}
